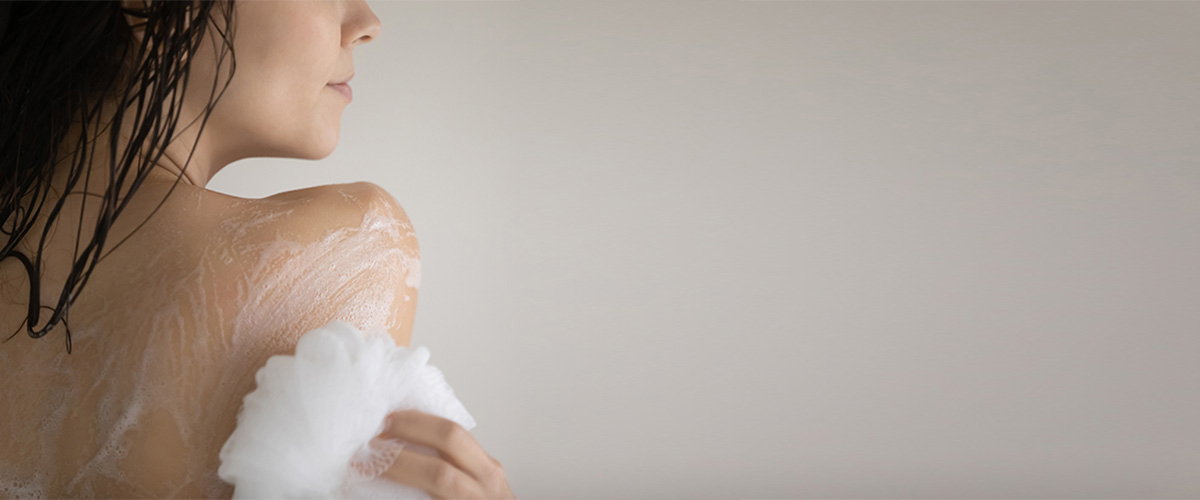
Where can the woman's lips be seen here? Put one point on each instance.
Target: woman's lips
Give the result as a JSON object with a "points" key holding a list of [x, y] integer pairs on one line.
{"points": [[344, 88]]}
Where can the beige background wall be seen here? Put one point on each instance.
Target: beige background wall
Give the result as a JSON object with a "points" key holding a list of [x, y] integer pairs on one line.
{"points": [[798, 249]]}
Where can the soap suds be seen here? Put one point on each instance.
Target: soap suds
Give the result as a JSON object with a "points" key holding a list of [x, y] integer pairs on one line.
{"points": [[187, 342]]}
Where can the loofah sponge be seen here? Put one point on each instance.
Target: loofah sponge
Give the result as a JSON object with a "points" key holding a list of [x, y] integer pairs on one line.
{"points": [[308, 428]]}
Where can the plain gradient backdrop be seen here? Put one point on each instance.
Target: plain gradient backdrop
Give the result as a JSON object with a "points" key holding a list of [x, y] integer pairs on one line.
{"points": [[797, 249]]}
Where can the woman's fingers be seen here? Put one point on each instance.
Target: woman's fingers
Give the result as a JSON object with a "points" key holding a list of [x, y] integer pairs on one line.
{"points": [[437, 477], [454, 443]]}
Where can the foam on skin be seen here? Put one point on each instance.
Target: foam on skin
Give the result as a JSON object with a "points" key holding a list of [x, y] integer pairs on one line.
{"points": [[167, 338]]}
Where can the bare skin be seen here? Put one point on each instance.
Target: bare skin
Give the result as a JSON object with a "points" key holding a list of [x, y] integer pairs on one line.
{"points": [[173, 323]]}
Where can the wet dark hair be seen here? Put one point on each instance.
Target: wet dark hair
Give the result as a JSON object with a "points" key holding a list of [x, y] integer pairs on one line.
{"points": [[58, 62]]}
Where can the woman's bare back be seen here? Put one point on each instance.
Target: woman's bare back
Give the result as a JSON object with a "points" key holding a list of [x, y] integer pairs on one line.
{"points": [[169, 330]]}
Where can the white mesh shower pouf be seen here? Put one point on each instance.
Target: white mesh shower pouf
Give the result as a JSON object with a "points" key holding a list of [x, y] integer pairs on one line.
{"points": [[307, 429]]}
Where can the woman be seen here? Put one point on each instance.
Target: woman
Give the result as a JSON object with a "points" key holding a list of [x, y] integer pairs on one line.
{"points": [[138, 304]]}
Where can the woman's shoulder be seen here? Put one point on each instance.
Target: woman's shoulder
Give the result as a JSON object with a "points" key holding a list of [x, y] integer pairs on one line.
{"points": [[342, 251], [285, 263], [194, 223]]}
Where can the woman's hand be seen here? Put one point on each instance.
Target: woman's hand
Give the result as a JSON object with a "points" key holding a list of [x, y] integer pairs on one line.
{"points": [[463, 469]]}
